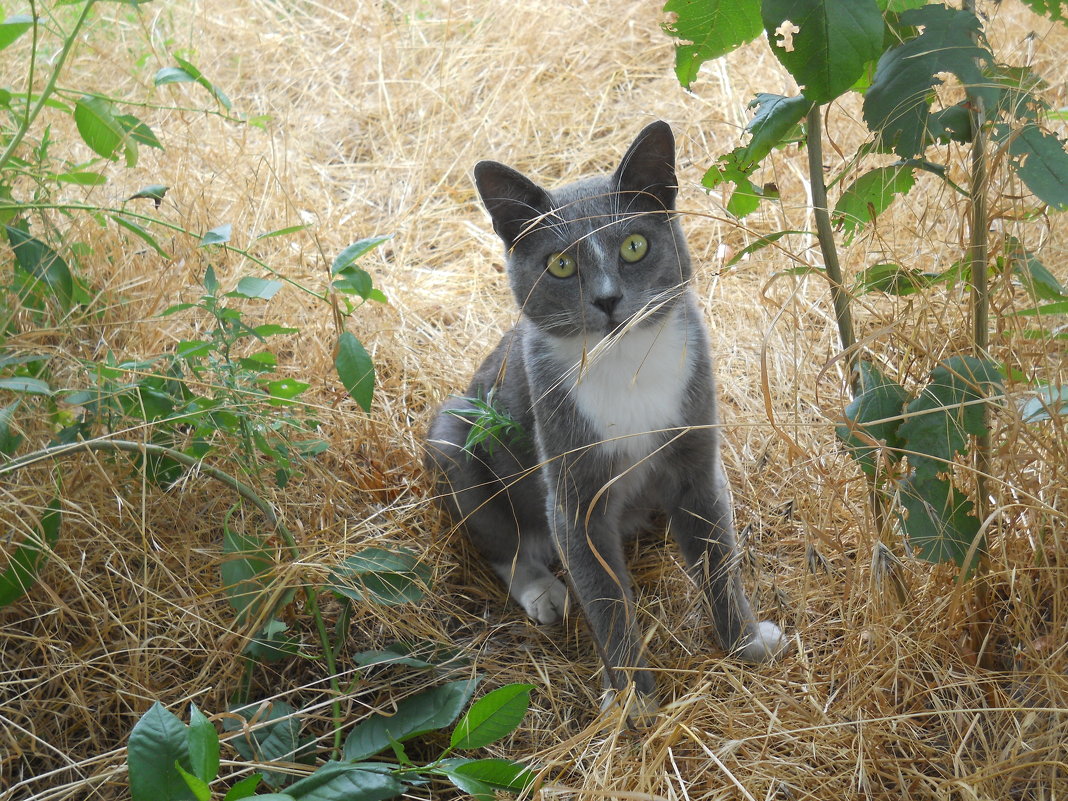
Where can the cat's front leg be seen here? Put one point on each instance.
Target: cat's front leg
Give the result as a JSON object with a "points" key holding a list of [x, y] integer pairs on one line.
{"points": [[702, 525], [591, 551]]}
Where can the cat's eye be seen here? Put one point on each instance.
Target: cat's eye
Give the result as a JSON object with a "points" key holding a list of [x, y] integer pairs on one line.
{"points": [[634, 248], [562, 265]]}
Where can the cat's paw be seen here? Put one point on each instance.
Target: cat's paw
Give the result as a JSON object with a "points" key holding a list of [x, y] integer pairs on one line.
{"points": [[640, 708], [766, 643], [544, 599]]}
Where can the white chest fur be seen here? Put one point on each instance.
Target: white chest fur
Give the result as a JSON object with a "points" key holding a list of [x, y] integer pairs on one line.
{"points": [[630, 387]]}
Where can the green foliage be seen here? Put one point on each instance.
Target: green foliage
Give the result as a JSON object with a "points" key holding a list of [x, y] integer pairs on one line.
{"points": [[709, 29], [834, 42], [169, 760], [870, 195], [29, 555], [490, 425], [884, 424], [385, 577]]}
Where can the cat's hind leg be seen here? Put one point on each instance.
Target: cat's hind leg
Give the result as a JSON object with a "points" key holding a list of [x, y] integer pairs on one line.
{"points": [[500, 503]]}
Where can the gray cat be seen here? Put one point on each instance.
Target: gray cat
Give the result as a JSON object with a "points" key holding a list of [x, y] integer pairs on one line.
{"points": [[609, 375]]}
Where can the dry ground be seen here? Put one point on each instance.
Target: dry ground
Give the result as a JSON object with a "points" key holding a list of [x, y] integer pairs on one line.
{"points": [[378, 112]]}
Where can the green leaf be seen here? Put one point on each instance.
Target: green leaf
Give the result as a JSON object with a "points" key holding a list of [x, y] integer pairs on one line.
{"points": [[744, 200], [82, 178], [760, 244], [353, 281], [873, 415], [141, 233], [893, 279], [502, 774], [1056, 10], [172, 75], [340, 781], [28, 386], [897, 104], [27, 559], [1047, 403], [13, 27], [1041, 162], [198, 76], [430, 710], [39, 260], [378, 658], [355, 369], [9, 440], [1060, 307], [869, 196], [1039, 281], [245, 788], [245, 572], [292, 229], [775, 122], [348, 257], [938, 522], [216, 236], [950, 408], [492, 717], [284, 390], [270, 330], [834, 41], [97, 125], [479, 791], [273, 643], [157, 742], [275, 738], [381, 576], [153, 192], [256, 288], [203, 743], [138, 131], [196, 785], [708, 29]]}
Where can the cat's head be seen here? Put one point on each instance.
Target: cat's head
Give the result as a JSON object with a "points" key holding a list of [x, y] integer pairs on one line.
{"points": [[593, 255]]}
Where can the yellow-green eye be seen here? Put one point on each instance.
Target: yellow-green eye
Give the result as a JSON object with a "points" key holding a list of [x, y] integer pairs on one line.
{"points": [[634, 248], [562, 265]]}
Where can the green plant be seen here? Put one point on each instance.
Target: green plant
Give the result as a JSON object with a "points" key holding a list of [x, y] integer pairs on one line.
{"points": [[170, 760], [489, 424], [896, 53]]}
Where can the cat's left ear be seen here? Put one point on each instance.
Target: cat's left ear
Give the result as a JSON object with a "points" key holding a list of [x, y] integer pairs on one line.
{"points": [[649, 166]]}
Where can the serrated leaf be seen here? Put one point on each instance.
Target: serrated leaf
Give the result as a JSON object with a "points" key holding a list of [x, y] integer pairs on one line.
{"points": [[1041, 162], [256, 288], [708, 29], [938, 521], [776, 120], [97, 125], [869, 196], [13, 27], [157, 742], [39, 260], [492, 717], [833, 42], [897, 104], [30, 555], [1056, 10], [874, 415], [355, 369], [341, 781], [430, 710], [381, 576], [949, 409], [217, 236]]}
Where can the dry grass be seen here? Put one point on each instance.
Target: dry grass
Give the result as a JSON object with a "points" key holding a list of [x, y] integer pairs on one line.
{"points": [[379, 111]]}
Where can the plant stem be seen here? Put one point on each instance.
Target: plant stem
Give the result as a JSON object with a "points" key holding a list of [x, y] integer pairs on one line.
{"points": [[839, 296], [242, 489], [68, 44]]}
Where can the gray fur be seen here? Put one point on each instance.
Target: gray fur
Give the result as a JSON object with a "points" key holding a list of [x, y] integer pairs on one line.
{"points": [[609, 372]]}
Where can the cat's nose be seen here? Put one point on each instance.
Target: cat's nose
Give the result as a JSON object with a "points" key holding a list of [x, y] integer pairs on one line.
{"points": [[607, 303]]}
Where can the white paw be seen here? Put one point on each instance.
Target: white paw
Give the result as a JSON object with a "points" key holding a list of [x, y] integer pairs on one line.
{"points": [[641, 708], [767, 643], [543, 599]]}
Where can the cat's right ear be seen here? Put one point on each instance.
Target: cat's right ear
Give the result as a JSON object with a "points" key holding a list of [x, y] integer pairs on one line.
{"points": [[512, 200]]}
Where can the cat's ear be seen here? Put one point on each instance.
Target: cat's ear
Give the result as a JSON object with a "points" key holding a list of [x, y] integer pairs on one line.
{"points": [[649, 166], [511, 199]]}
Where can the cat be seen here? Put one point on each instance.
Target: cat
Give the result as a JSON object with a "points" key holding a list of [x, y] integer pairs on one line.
{"points": [[609, 377]]}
